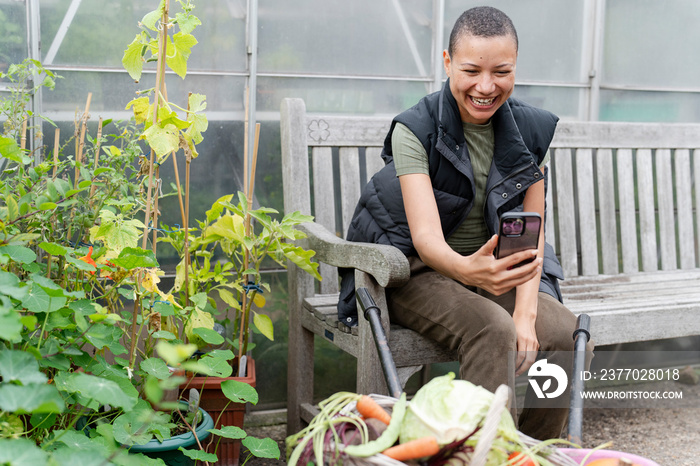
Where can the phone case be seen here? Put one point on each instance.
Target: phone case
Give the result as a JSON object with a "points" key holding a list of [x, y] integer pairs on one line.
{"points": [[511, 239]]}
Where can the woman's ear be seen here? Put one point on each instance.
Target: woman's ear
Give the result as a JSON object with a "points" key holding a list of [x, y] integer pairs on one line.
{"points": [[446, 61]]}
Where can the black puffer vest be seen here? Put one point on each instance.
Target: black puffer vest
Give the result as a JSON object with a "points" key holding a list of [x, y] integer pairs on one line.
{"points": [[522, 136]]}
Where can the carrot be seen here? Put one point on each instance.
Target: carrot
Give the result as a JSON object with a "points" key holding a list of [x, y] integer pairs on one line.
{"points": [[418, 448], [369, 408], [519, 459]]}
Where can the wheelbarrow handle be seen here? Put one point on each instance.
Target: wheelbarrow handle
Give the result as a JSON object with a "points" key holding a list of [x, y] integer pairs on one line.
{"points": [[581, 337], [372, 314]]}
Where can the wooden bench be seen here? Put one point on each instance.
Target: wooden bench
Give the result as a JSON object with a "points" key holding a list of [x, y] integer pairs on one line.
{"points": [[622, 216]]}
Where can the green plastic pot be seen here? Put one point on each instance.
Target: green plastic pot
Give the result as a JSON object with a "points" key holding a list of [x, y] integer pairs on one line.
{"points": [[167, 450]]}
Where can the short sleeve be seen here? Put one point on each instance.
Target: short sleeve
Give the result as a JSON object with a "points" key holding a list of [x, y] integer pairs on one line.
{"points": [[408, 152]]}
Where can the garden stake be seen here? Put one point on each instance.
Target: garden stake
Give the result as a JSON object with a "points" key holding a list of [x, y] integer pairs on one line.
{"points": [[23, 135], [56, 145], [97, 156]]}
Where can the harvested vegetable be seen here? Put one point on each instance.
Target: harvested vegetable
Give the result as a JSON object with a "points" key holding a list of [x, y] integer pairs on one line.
{"points": [[387, 439], [370, 409], [520, 459], [413, 450]]}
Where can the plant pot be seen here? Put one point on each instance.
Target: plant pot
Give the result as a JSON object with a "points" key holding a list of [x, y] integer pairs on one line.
{"points": [[213, 400], [167, 450]]}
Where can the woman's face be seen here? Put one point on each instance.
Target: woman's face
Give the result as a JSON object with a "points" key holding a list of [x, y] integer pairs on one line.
{"points": [[482, 75]]}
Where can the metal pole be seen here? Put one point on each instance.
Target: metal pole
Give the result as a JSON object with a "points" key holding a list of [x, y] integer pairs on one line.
{"points": [[371, 312], [34, 45], [581, 337], [438, 45]]}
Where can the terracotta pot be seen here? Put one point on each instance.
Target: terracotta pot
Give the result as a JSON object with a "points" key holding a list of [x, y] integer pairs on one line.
{"points": [[213, 400]]}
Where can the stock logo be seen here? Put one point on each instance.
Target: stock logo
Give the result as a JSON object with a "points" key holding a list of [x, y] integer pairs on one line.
{"points": [[545, 372]]}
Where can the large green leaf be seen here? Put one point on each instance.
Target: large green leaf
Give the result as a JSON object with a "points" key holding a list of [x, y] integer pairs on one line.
{"points": [[33, 398], [10, 325], [209, 336], [10, 150], [21, 452], [39, 300], [10, 285], [53, 248], [199, 455], [163, 140], [21, 367], [231, 432], [20, 254], [155, 367], [239, 392], [187, 22], [263, 323], [216, 367], [12, 208], [131, 258], [177, 58], [132, 60], [101, 390], [262, 448]]}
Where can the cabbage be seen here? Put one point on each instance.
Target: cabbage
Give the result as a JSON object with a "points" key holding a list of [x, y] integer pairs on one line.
{"points": [[451, 410]]}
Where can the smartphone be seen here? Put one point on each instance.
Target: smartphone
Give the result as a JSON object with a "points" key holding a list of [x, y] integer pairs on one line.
{"points": [[518, 231]]}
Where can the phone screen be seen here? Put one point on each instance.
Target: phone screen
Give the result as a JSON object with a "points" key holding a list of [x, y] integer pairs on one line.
{"points": [[518, 232]]}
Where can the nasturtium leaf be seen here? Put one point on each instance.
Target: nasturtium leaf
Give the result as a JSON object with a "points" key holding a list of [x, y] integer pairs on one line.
{"points": [[80, 264], [10, 325], [164, 335], [264, 324], [199, 455], [39, 300], [262, 448], [239, 392], [20, 452], [10, 286], [174, 354], [215, 367], [42, 420], [231, 432], [91, 454], [209, 336], [32, 398], [131, 258], [20, 366], [20, 254], [155, 367], [101, 390], [53, 248]]}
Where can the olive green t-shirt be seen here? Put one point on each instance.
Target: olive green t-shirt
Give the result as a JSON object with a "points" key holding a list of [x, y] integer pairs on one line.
{"points": [[410, 157]]}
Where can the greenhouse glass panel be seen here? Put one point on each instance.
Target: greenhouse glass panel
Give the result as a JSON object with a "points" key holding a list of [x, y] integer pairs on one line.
{"points": [[652, 43], [341, 95], [74, 32], [550, 47], [565, 102], [668, 107], [13, 33], [361, 37], [113, 90]]}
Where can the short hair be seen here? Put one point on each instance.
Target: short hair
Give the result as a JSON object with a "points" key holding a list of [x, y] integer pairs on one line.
{"points": [[482, 21]]}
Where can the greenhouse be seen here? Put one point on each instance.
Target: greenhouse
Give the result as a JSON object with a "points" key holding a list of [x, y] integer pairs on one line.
{"points": [[134, 124]]}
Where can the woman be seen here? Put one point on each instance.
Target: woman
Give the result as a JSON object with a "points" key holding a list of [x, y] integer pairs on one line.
{"points": [[456, 161]]}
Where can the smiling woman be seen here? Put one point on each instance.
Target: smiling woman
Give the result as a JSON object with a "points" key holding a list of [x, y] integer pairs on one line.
{"points": [[457, 161]]}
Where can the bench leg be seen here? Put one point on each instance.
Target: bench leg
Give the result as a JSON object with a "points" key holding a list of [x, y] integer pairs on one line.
{"points": [[370, 377], [300, 366]]}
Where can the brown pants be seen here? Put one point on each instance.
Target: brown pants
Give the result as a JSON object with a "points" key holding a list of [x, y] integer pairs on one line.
{"points": [[480, 327]]}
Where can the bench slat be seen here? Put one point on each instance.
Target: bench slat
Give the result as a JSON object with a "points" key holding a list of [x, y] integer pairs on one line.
{"points": [[586, 212], [667, 226], [628, 216], [647, 216], [324, 207], [606, 202], [373, 160], [349, 183], [549, 233], [684, 203], [565, 211]]}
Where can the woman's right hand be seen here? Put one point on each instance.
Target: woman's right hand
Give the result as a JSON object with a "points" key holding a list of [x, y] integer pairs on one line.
{"points": [[497, 276]]}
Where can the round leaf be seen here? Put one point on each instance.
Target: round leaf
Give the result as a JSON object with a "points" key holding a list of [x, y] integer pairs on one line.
{"points": [[262, 448], [155, 367], [231, 432], [239, 392], [209, 336]]}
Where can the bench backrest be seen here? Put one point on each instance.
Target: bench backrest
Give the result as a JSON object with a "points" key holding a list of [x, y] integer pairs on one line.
{"points": [[621, 196]]}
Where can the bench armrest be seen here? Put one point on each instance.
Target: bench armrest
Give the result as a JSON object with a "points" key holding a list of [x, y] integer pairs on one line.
{"points": [[387, 264]]}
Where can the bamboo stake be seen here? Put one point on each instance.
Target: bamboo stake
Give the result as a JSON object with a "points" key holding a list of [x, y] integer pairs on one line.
{"points": [[93, 188], [23, 135], [56, 147], [81, 139], [186, 247]]}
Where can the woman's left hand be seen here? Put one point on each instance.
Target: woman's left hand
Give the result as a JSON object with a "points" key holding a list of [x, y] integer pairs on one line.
{"points": [[527, 342]]}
